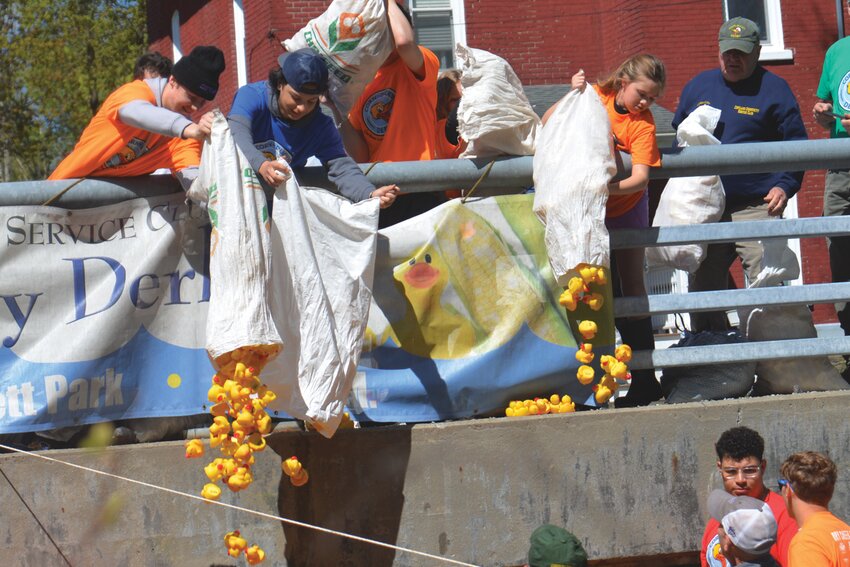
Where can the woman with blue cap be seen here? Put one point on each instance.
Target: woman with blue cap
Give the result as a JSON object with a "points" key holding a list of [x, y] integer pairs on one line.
{"points": [[279, 122]]}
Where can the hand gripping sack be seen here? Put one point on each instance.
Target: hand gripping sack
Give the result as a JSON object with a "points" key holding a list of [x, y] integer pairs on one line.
{"points": [[494, 115], [572, 167], [353, 38], [240, 262], [324, 261], [689, 200]]}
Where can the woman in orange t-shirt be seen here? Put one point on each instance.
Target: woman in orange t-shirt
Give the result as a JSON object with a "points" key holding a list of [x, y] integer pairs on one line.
{"points": [[627, 95]]}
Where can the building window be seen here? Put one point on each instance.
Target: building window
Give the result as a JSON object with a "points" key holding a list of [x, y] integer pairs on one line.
{"points": [[439, 24], [768, 15]]}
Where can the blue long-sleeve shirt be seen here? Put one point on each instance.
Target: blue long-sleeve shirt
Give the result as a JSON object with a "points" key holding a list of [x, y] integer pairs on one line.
{"points": [[761, 108]]}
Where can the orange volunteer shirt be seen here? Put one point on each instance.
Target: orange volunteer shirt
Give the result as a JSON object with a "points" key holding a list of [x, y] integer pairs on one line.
{"points": [[397, 112], [635, 135], [110, 148], [823, 541]]}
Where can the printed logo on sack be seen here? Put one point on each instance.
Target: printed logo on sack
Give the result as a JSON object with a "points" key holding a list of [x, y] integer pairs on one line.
{"points": [[843, 94], [713, 555], [346, 32], [377, 111]]}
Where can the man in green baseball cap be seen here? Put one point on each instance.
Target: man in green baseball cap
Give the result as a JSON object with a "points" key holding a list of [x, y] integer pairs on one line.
{"points": [[552, 546]]}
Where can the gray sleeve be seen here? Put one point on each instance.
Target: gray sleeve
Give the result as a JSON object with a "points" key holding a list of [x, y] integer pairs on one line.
{"points": [[349, 179], [186, 176], [144, 115], [240, 128]]}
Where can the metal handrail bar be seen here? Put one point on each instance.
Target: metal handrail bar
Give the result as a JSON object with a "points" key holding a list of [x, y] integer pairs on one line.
{"points": [[696, 301], [438, 175], [739, 352], [729, 232]]}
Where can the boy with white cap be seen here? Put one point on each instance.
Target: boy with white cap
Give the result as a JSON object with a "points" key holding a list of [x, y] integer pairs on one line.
{"points": [[747, 529]]}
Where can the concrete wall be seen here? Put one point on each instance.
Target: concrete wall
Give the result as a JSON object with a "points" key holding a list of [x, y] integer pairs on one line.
{"points": [[627, 482]]}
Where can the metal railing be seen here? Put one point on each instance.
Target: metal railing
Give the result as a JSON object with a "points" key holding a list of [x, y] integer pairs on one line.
{"points": [[514, 173]]}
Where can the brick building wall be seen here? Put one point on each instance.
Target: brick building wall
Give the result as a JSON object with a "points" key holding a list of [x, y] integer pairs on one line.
{"points": [[546, 41]]}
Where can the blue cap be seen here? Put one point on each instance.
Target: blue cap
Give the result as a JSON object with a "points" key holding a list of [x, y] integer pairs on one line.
{"points": [[305, 71]]}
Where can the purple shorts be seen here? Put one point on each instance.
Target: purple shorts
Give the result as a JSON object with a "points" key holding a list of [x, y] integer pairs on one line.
{"points": [[636, 217]]}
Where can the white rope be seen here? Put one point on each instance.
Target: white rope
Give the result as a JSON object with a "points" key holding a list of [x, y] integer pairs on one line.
{"points": [[247, 510]]}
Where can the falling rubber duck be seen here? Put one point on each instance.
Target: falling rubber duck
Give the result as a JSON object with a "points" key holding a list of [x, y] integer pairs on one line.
{"points": [[594, 301], [588, 329], [291, 466], [602, 394], [211, 491], [194, 449], [623, 353], [234, 543], [254, 555], [584, 354], [585, 374]]}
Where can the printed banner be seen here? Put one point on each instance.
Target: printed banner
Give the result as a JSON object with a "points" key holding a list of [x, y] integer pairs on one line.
{"points": [[465, 317], [103, 313]]}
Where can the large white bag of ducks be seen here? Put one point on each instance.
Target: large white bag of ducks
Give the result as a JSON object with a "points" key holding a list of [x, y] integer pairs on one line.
{"points": [[353, 38], [572, 167]]}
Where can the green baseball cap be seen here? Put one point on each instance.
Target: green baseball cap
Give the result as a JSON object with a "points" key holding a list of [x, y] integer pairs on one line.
{"points": [[552, 546], [739, 33]]}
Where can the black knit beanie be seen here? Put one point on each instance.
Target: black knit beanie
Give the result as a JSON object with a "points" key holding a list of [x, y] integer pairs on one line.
{"points": [[199, 70]]}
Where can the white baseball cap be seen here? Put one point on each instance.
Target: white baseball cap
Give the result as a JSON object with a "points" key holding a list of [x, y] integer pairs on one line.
{"points": [[749, 522]]}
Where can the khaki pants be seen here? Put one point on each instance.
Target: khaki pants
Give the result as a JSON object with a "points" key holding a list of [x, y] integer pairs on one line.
{"points": [[713, 273], [836, 202]]}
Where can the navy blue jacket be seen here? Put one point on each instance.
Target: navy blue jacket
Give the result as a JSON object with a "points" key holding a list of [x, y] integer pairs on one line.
{"points": [[761, 108]]}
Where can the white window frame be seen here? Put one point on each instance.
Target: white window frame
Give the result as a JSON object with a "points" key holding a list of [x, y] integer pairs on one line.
{"points": [[176, 48], [772, 49], [458, 21]]}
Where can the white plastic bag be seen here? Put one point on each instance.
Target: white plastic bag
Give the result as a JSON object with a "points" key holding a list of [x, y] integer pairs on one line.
{"points": [[689, 200], [572, 167], [353, 38], [494, 115], [324, 261], [778, 264], [240, 264]]}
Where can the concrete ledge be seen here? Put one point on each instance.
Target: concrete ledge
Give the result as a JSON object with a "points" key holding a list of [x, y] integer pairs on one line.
{"points": [[629, 483]]}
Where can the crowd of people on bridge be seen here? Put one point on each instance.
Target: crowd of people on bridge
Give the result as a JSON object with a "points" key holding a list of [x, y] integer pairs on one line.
{"points": [[749, 524], [408, 112]]}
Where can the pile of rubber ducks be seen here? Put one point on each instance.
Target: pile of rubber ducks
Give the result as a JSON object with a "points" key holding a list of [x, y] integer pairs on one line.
{"points": [[240, 421], [541, 406], [614, 367], [578, 288], [236, 545]]}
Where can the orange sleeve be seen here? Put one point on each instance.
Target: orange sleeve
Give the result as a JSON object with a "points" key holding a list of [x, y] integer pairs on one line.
{"points": [[184, 153]]}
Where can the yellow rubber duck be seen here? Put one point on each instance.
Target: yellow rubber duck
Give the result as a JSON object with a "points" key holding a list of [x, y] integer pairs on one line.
{"points": [[605, 361], [234, 543], [584, 354], [220, 426], [216, 394], [215, 470], [300, 479], [219, 409], [588, 329], [568, 300], [266, 395], [623, 353], [291, 466], [594, 301], [566, 405], [263, 423], [194, 449], [619, 370], [254, 555], [602, 394], [211, 491], [608, 382], [240, 480], [576, 286], [244, 455], [256, 441], [585, 374], [429, 328]]}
